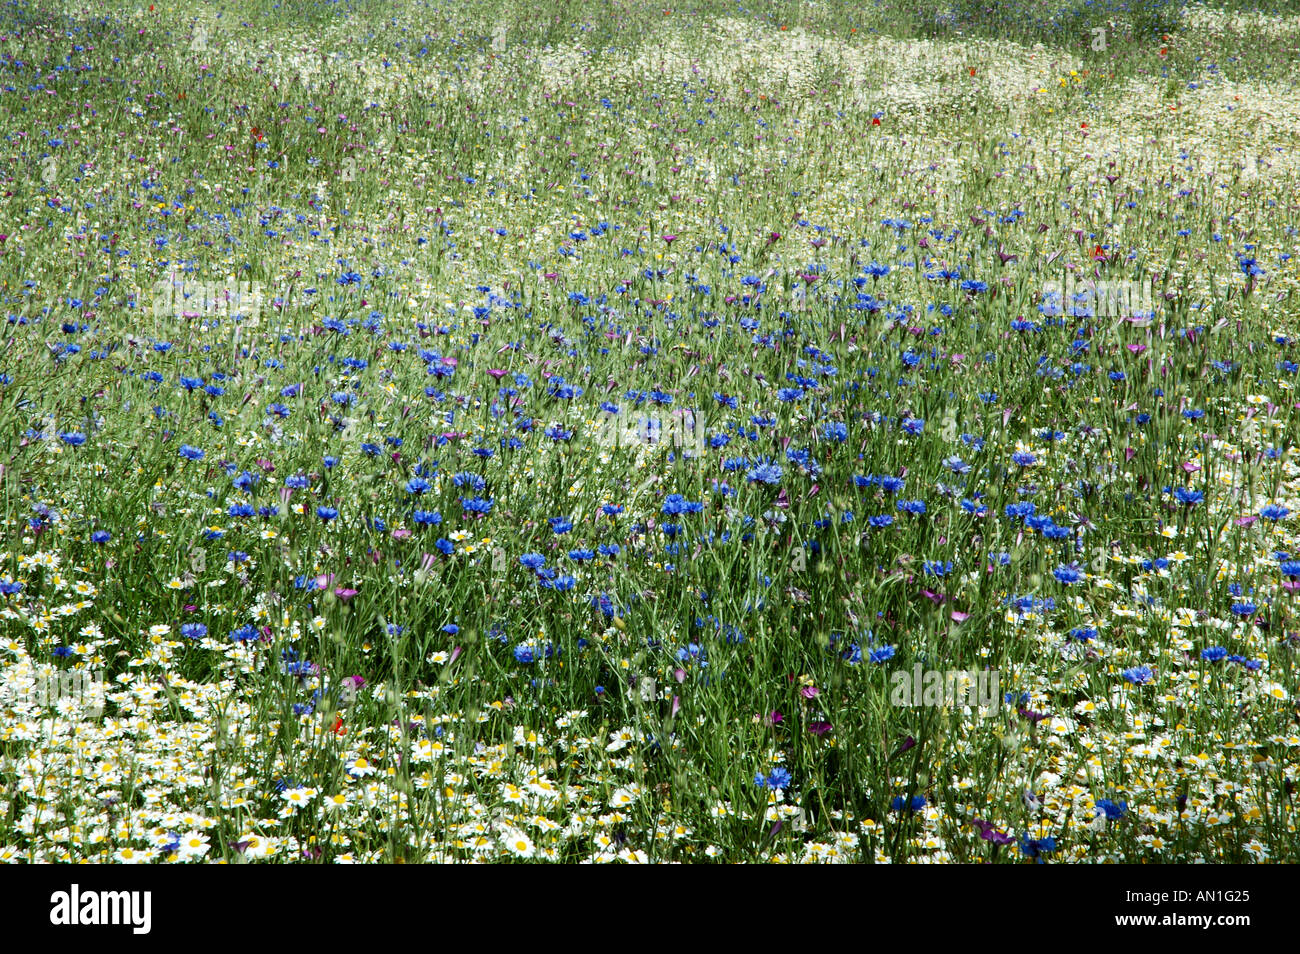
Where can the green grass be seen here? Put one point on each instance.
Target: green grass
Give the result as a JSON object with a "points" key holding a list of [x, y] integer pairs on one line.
{"points": [[628, 715]]}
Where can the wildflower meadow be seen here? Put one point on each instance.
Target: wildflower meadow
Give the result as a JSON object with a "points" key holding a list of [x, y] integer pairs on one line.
{"points": [[608, 431]]}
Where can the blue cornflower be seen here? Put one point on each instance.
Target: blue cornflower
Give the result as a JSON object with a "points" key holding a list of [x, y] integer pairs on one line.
{"points": [[244, 481], [1036, 847], [1138, 675], [900, 803], [765, 473], [1067, 574], [776, 779], [244, 634], [1112, 810], [677, 504]]}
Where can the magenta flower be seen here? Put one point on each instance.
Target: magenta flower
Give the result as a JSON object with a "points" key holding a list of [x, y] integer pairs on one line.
{"points": [[908, 743], [345, 594], [819, 728], [990, 833]]}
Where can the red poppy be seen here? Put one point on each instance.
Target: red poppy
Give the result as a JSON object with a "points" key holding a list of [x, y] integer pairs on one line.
{"points": [[875, 120], [338, 726]]}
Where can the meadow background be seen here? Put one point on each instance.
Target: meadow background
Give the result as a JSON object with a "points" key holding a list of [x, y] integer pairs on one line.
{"points": [[368, 580]]}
